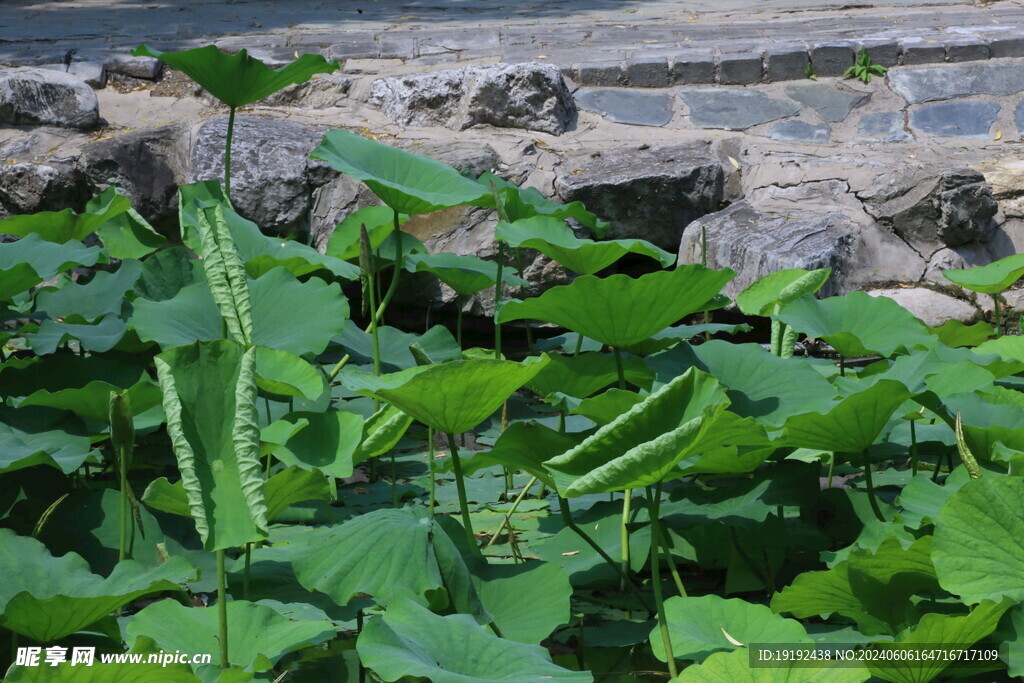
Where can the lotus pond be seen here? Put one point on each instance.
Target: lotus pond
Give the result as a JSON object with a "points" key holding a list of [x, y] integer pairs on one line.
{"points": [[214, 444]]}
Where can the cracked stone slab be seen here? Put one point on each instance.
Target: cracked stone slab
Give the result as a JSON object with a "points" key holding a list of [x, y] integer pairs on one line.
{"points": [[956, 119], [800, 131], [733, 108], [931, 84], [884, 126], [832, 102], [1018, 117], [627, 106]]}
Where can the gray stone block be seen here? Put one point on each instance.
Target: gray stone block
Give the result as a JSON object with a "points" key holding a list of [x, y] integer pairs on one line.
{"points": [[956, 119], [601, 73], [799, 131], [967, 50], [886, 126], [1007, 47], [647, 72], [922, 51], [625, 105], [356, 47], [139, 67], [786, 62], [832, 102], [741, 68], [733, 108], [883, 52], [395, 47], [831, 59], [694, 68], [931, 84]]}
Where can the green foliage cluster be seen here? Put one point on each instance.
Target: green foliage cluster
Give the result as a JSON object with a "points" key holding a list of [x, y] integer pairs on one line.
{"points": [[633, 499]]}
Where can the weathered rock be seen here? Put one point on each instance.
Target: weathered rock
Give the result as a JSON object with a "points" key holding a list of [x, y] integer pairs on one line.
{"points": [[832, 102], [955, 119], [93, 73], [53, 186], [733, 109], [931, 307], [931, 211], [528, 96], [930, 84], [627, 106], [754, 243], [272, 178], [320, 92], [146, 165], [44, 97], [647, 193]]}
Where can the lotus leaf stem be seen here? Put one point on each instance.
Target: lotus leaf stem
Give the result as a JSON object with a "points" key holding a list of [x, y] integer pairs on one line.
{"points": [[913, 447], [222, 610], [653, 499], [460, 485], [627, 501], [672, 563], [997, 315], [571, 523], [871, 488], [245, 572], [227, 153]]}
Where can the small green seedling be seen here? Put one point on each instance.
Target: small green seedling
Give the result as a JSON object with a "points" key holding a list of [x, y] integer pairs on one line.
{"points": [[863, 69], [809, 72]]}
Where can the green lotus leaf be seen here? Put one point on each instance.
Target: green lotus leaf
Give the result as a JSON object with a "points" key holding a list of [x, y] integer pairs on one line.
{"points": [[297, 317], [381, 431], [466, 274], [874, 588], [209, 394], [294, 485], [921, 499], [951, 631], [285, 374], [671, 336], [17, 279], [260, 253], [91, 401], [553, 238], [386, 554], [643, 445], [699, 627], [528, 601], [760, 385], [780, 288], [991, 279], [994, 418], [44, 257], [166, 272], [129, 236], [587, 373], [851, 425], [379, 221], [46, 598], [858, 324], [238, 80], [734, 667], [620, 310], [326, 443], [289, 486], [451, 397], [257, 635], [955, 334], [41, 436], [409, 640], [526, 202], [65, 226], [408, 183], [437, 343], [607, 406], [522, 446], [104, 294], [99, 337], [1009, 348], [979, 541]]}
